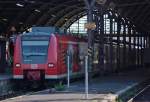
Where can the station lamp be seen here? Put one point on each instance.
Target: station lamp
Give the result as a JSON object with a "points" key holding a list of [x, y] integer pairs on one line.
{"points": [[66, 19], [4, 19], [53, 15], [20, 23], [36, 10], [19, 5], [116, 14]]}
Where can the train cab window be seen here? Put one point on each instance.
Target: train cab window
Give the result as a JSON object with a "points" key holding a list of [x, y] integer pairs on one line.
{"points": [[34, 51]]}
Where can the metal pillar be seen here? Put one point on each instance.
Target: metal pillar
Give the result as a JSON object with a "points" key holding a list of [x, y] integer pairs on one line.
{"points": [[147, 42], [90, 5], [129, 53], [134, 41], [141, 59], [138, 50], [118, 41], [101, 32], [124, 44], [111, 43], [99, 18], [144, 43]]}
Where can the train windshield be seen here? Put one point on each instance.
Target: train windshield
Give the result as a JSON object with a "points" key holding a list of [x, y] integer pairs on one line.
{"points": [[34, 52]]}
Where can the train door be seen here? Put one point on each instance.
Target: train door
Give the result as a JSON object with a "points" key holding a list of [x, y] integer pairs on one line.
{"points": [[70, 53]]}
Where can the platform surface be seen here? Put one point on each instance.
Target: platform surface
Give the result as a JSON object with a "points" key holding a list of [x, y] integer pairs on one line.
{"points": [[5, 77], [102, 89]]}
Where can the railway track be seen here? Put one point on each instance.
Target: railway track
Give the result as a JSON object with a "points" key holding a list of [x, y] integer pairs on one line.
{"points": [[142, 96]]}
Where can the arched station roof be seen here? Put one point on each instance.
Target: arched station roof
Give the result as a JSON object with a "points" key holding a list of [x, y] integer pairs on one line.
{"points": [[26, 13]]}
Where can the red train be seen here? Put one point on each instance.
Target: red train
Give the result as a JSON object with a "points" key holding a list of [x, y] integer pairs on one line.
{"points": [[39, 55]]}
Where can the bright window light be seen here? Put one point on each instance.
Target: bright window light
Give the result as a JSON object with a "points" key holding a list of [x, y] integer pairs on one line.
{"points": [[20, 5], [36, 10]]}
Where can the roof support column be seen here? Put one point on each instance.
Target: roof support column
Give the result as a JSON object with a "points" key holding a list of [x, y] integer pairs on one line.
{"points": [[134, 43], [124, 44], [141, 51], [147, 42], [118, 42], [144, 42], [138, 50], [111, 44], [101, 44], [90, 6], [130, 50]]}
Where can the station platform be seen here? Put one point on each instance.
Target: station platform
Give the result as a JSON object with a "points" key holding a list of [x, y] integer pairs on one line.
{"points": [[5, 77], [5, 84], [102, 89]]}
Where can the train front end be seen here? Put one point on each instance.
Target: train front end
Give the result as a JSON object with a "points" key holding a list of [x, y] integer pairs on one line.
{"points": [[35, 56]]}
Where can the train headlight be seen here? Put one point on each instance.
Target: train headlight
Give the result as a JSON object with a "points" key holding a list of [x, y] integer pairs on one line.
{"points": [[18, 65], [50, 65]]}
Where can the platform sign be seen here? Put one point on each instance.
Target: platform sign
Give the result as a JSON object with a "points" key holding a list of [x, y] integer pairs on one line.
{"points": [[90, 26]]}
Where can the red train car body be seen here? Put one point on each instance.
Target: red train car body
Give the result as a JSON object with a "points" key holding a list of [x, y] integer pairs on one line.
{"points": [[44, 56]]}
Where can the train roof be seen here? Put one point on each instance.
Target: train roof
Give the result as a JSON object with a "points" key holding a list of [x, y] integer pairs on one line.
{"points": [[46, 31]]}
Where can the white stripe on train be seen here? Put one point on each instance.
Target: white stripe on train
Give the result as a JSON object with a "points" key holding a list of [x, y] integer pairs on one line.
{"points": [[18, 76], [50, 76]]}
